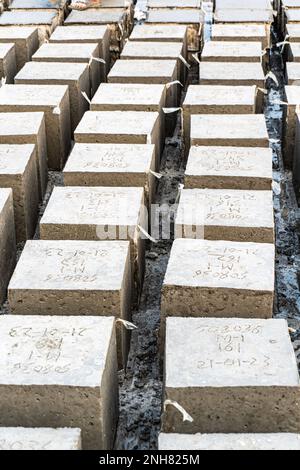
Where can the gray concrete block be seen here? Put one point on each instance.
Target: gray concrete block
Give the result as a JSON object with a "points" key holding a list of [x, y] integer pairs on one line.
{"points": [[8, 63], [40, 439], [7, 240], [242, 33], [232, 51]]}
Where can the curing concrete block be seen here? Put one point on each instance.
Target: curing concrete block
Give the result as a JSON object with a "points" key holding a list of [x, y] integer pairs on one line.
{"points": [[244, 5], [229, 168], [18, 170], [243, 16], [293, 73], [232, 74], [271, 441], [132, 97], [99, 213], [192, 17], [156, 50], [73, 52], [225, 214], [87, 34], [293, 31], [40, 439], [219, 278], [294, 52], [112, 165], [7, 240], [59, 371], [292, 93], [241, 130], [75, 278], [232, 51], [173, 4], [38, 4], [120, 127], [25, 39], [223, 373], [242, 33], [8, 64], [207, 99], [76, 76], [46, 20], [27, 128], [54, 101]]}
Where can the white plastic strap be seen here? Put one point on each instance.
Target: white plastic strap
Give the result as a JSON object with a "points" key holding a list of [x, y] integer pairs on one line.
{"points": [[157, 175], [56, 110], [196, 58], [276, 188], [175, 82], [3, 81], [272, 76], [128, 325], [185, 415], [147, 234], [97, 59], [86, 97], [170, 110], [184, 61], [263, 90], [279, 102]]}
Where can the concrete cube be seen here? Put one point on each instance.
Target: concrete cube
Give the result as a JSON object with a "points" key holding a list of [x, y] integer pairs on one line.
{"points": [[8, 63], [156, 50], [294, 52], [54, 101], [242, 33], [40, 439], [112, 165], [38, 4], [243, 16], [245, 441], [232, 51], [18, 171], [225, 214], [27, 128], [59, 371], [45, 20], [120, 127], [219, 278], [223, 373], [232, 74], [87, 34], [7, 240], [292, 94], [293, 73], [244, 5], [173, 4], [192, 17], [241, 130], [229, 168], [73, 52], [25, 39], [207, 99], [76, 76], [99, 213], [293, 31]]}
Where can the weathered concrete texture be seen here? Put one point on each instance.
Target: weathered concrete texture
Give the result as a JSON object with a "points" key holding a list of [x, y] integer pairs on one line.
{"points": [[160, 33], [8, 63], [293, 31], [293, 73], [40, 439], [112, 165], [120, 127], [53, 100], [242, 33], [244, 5], [241, 130], [60, 372], [293, 15], [207, 99], [292, 94], [224, 371], [232, 51], [38, 4], [296, 162], [243, 16], [225, 214], [18, 170], [192, 17], [278, 441], [99, 213], [156, 50], [229, 168], [7, 240], [46, 20], [219, 278], [27, 128], [73, 52], [232, 73], [294, 52], [86, 34], [76, 76], [174, 4], [25, 39]]}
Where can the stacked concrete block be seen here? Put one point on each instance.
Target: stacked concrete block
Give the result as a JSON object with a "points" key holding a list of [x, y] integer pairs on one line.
{"points": [[18, 171], [289, 123], [232, 74], [232, 51], [120, 127], [76, 76], [67, 53], [241, 33], [296, 154], [229, 168], [112, 165], [7, 240], [54, 101], [99, 35], [225, 214], [40, 438], [8, 63], [157, 4], [219, 279], [99, 213], [45, 20], [25, 39], [223, 372], [27, 128], [59, 372]]}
